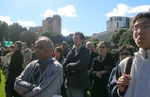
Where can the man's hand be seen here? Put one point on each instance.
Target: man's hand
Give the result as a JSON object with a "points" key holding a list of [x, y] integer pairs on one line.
{"points": [[123, 81]]}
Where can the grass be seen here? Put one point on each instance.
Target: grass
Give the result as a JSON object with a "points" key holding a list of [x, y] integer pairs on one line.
{"points": [[2, 85]]}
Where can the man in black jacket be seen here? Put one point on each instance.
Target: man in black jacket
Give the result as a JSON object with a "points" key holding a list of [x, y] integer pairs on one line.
{"points": [[15, 69], [76, 66], [93, 54]]}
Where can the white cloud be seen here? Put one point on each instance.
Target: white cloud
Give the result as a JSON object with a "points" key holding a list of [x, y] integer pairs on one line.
{"points": [[68, 11], [6, 19], [65, 32], [26, 23], [138, 9], [124, 10]]}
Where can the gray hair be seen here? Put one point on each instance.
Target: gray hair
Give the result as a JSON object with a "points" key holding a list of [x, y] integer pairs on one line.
{"points": [[46, 39], [90, 42]]}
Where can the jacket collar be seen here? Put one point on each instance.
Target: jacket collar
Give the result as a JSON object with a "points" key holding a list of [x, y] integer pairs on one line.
{"points": [[144, 53]]}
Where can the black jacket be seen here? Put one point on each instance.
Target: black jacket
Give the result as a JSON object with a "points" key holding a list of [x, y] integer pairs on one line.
{"points": [[15, 67], [92, 56], [99, 86], [75, 67]]}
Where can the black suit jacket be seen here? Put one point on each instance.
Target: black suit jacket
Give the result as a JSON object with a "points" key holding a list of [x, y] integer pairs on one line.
{"points": [[92, 56], [77, 65]]}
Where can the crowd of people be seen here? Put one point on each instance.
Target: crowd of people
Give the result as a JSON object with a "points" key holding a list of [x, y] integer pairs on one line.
{"points": [[80, 71]]}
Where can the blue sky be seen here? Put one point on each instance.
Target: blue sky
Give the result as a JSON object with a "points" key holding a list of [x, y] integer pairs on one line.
{"points": [[87, 16]]}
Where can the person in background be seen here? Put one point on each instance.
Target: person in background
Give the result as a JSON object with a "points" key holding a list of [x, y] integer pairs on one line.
{"points": [[8, 57], [137, 83], [15, 69], [100, 71], [33, 53], [27, 54], [75, 67], [42, 77], [124, 52], [93, 54], [58, 52], [65, 48]]}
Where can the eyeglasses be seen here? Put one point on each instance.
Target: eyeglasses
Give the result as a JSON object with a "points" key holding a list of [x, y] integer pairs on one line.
{"points": [[41, 47], [144, 28], [102, 47], [125, 53]]}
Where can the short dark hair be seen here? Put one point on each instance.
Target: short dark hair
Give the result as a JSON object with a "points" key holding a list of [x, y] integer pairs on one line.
{"points": [[12, 46], [80, 34], [128, 48], [19, 43], [138, 16]]}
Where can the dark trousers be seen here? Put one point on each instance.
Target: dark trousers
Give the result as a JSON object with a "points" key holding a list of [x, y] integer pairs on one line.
{"points": [[9, 90]]}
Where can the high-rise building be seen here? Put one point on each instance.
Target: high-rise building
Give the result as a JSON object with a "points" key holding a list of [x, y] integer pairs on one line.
{"points": [[118, 22], [52, 24], [34, 29]]}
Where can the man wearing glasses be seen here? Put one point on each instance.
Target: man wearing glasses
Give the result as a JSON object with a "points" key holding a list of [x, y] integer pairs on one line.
{"points": [[137, 83], [76, 66], [43, 77]]}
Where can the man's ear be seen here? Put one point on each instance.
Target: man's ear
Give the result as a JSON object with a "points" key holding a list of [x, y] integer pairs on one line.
{"points": [[51, 49]]}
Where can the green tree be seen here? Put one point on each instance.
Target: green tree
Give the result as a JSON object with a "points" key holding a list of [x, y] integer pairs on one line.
{"points": [[3, 30], [54, 36], [28, 36], [126, 38], [14, 31], [115, 37]]}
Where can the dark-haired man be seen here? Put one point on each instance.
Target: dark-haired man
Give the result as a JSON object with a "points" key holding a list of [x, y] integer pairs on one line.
{"points": [[137, 83], [76, 66]]}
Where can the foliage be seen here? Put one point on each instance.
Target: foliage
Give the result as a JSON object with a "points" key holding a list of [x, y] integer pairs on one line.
{"points": [[28, 36], [10, 32], [56, 38], [115, 37], [95, 41], [122, 37], [14, 31], [3, 30]]}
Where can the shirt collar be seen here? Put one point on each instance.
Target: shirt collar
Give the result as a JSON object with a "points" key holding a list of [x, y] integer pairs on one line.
{"points": [[47, 61]]}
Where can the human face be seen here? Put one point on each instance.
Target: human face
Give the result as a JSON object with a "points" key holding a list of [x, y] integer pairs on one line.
{"points": [[89, 46], [124, 54], [57, 54], [102, 49], [24, 46], [142, 35], [15, 46], [11, 50], [42, 50], [77, 40]]}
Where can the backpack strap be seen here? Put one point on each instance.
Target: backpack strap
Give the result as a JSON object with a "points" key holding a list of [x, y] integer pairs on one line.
{"points": [[128, 67]]}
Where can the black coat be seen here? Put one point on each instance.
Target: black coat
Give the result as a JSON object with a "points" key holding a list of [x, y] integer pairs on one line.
{"points": [[75, 68], [15, 67], [92, 56], [99, 86]]}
